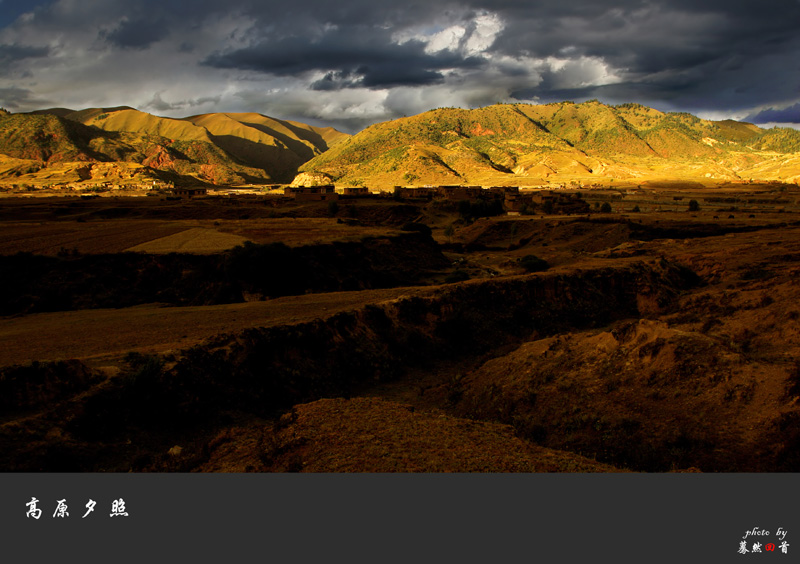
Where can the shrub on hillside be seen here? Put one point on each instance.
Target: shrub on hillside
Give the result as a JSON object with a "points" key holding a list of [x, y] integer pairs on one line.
{"points": [[456, 276], [471, 210], [532, 263], [418, 227], [273, 269]]}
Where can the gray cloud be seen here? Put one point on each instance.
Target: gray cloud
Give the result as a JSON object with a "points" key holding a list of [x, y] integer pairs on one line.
{"points": [[20, 98], [159, 105]]}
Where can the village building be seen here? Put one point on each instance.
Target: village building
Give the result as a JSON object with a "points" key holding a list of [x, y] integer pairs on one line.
{"points": [[514, 203], [545, 202], [426, 193], [188, 192], [312, 193], [355, 191], [500, 192], [458, 193]]}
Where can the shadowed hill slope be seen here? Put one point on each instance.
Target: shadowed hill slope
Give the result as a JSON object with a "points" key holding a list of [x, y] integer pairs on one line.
{"points": [[211, 148]]}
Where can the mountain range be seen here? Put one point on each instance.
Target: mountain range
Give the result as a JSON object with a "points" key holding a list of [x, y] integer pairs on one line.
{"points": [[524, 144], [502, 144]]}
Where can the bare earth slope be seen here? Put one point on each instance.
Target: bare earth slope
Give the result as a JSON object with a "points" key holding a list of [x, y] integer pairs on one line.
{"points": [[373, 435]]}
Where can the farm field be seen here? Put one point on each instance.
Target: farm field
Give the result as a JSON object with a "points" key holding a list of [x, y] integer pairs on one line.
{"points": [[194, 240], [155, 236], [51, 238]]}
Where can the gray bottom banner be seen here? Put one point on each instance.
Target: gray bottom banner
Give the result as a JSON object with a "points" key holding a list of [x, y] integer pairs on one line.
{"points": [[399, 517]]}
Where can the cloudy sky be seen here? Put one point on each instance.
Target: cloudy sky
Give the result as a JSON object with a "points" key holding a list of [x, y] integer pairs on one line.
{"points": [[349, 63]]}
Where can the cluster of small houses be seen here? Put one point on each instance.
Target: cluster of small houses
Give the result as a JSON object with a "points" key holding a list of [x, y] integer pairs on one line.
{"points": [[98, 186], [514, 201]]}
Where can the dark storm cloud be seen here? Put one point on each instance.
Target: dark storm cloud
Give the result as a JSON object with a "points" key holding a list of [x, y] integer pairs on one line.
{"points": [[375, 59], [677, 52], [336, 80], [10, 54], [786, 115], [10, 10], [362, 57], [137, 34], [665, 50], [649, 34]]}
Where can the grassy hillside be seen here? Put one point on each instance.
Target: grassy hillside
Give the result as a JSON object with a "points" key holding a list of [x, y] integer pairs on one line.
{"points": [[49, 138], [530, 144]]}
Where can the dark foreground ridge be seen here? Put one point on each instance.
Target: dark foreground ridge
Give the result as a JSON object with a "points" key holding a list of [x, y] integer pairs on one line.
{"points": [[262, 371], [35, 283]]}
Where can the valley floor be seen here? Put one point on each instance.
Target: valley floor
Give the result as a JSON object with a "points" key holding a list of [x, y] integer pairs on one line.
{"points": [[145, 339]]}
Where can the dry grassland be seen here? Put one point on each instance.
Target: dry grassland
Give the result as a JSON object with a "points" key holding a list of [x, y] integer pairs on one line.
{"points": [[197, 240], [296, 232], [109, 333]]}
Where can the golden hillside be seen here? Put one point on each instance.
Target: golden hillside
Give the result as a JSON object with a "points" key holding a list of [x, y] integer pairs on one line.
{"points": [[134, 121], [524, 144]]}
